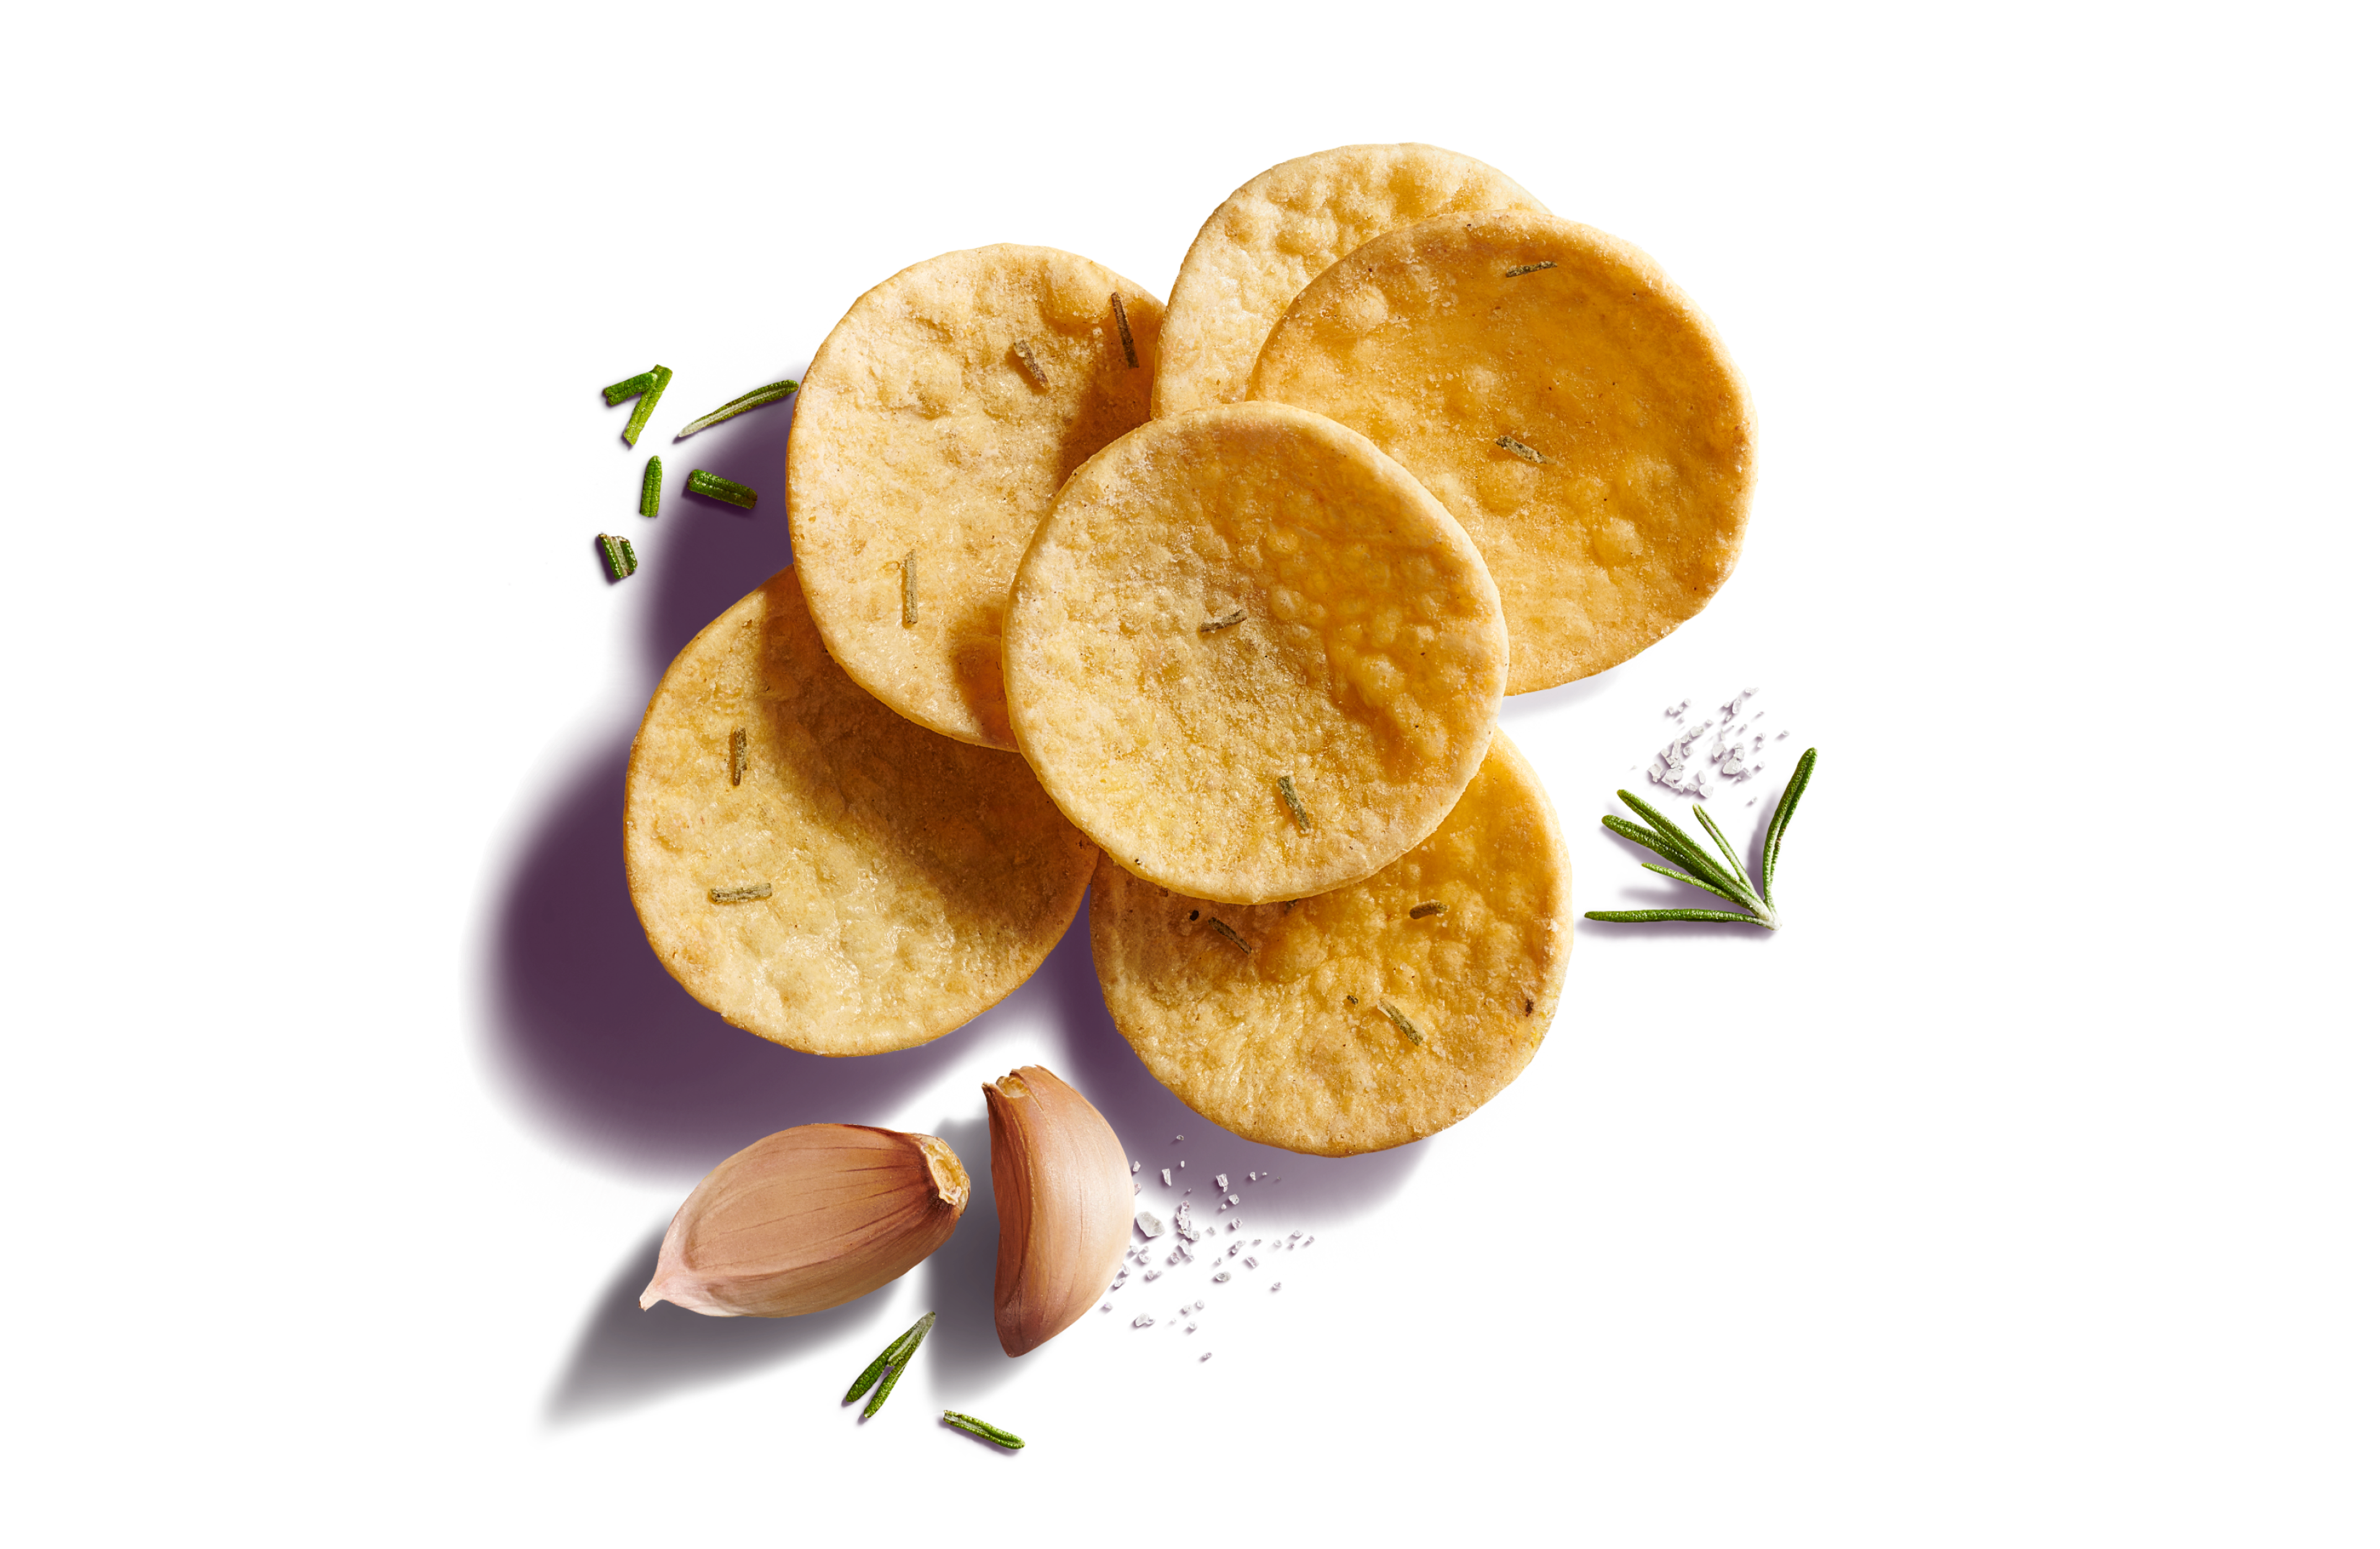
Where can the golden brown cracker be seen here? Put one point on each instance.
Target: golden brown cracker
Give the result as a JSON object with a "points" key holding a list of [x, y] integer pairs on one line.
{"points": [[820, 871], [1280, 229], [1234, 599], [1567, 404], [932, 431], [1297, 1041]]}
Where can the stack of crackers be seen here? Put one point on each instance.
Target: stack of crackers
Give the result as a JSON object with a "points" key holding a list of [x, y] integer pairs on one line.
{"points": [[1207, 607]]}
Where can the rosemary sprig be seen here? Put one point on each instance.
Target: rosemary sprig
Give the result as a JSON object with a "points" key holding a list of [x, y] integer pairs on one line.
{"points": [[1288, 789], [1405, 1024], [974, 1427], [619, 555], [1722, 875], [633, 387], [1228, 933], [1123, 329], [757, 398]]}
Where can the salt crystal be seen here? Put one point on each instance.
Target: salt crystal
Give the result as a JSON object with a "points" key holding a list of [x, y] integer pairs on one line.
{"points": [[1107, 1306], [1153, 1275], [1276, 1285], [1248, 1262], [1177, 1137], [1232, 1225], [1167, 1174], [1222, 1180], [1199, 1305], [1136, 1167], [1210, 1231], [1190, 1329], [1149, 1223], [1222, 1277], [1143, 1321], [1232, 1199], [1208, 1356], [1252, 1177]]}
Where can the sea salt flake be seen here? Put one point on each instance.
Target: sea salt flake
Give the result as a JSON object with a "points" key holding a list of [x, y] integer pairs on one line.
{"points": [[1143, 1321], [1223, 1276], [1167, 1174], [1248, 1262], [1232, 1199], [1276, 1285], [1208, 1356], [1149, 1223], [1222, 1180]]}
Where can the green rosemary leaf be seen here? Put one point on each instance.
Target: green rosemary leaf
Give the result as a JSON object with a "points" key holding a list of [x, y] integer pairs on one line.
{"points": [[1786, 804], [1235, 616], [734, 406], [649, 502], [735, 757], [1426, 907], [1228, 933], [1726, 851], [891, 1364], [1690, 853], [1647, 837], [1520, 449], [646, 401], [634, 387], [1691, 882], [974, 1427], [703, 481], [619, 555], [745, 894], [909, 589], [1629, 916], [1528, 268]]}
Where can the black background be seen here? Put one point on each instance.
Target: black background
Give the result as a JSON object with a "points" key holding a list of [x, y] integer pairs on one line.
{"points": [[1657, 1250]]}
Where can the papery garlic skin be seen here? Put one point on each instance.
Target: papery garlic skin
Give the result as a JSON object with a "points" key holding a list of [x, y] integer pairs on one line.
{"points": [[807, 1219], [1064, 1191]]}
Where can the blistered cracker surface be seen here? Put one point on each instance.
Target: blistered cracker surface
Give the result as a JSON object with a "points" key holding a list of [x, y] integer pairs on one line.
{"points": [[919, 430], [1599, 364], [1288, 1044], [1368, 667], [1280, 229], [914, 880]]}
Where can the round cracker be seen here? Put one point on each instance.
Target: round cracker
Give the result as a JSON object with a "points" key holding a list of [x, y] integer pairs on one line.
{"points": [[1366, 668], [1292, 1044], [1615, 503], [912, 880], [1281, 228], [926, 447]]}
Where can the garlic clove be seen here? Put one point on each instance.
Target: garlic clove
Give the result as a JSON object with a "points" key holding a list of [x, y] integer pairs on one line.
{"points": [[807, 1219], [1064, 1191]]}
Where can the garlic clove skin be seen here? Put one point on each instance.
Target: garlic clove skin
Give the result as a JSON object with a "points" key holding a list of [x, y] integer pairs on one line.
{"points": [[1064, 1189], [807, 1219]]}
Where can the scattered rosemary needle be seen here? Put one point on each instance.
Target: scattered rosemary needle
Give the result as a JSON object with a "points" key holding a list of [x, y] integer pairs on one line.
{"points": [[1428, 906], [735, 757], [1297, 808], [1228, 933], [703, 481], [646, 402], [743, 894], [1520, 449], [619, 555], [858, 1399], [1528, 268], [649, 502], [974, 1427], [1123, 329], [909, 589], [633, 387], [1721, 874], [734, 406], [1023, 353], [1404, 1025], [1235, 616]]}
